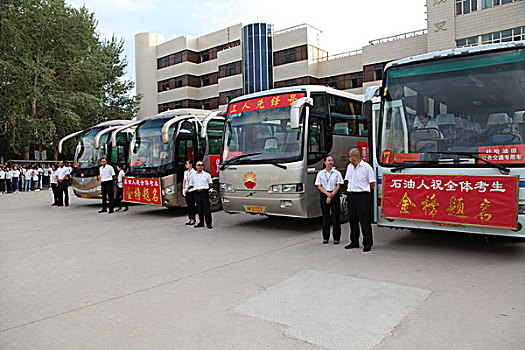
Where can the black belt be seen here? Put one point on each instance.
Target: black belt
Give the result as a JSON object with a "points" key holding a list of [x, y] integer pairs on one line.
{"points": [[358, 192], [202, 190]]}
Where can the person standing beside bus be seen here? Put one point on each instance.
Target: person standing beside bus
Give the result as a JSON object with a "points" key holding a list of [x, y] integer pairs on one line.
{"points": [[62, 175], [189, 195], [201, 182], [54, 185], [361, 181], [106, 176], [120, 188], [329, 181]]}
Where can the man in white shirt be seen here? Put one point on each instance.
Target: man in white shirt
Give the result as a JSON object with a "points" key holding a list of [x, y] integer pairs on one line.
{"points": [[361, 182], [201, 183], [106, 176], [16, 178], [54, 185], [62, 175]]}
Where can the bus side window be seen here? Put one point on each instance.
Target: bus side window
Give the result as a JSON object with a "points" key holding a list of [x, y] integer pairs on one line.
{"points": [[319, 141], [346, 117], [214, 131]]}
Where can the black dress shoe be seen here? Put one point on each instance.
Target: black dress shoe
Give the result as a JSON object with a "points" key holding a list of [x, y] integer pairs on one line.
{"points": [[336, 242], [367, 249], [198, 226], [102, 211], [210, 227], [325, 241], [351, 246], [126, 209], [111, 212]]}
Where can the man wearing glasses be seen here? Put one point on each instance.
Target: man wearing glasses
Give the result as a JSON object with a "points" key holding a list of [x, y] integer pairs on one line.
{"points": [[201, 182]]}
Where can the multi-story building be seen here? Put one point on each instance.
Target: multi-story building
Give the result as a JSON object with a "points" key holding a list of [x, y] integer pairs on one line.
{"points": [[208, 71]]}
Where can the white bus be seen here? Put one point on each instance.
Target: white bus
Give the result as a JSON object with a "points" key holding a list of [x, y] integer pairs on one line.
{"points": [[449, 148], [94, 144], [161, 145], [274, 143]]}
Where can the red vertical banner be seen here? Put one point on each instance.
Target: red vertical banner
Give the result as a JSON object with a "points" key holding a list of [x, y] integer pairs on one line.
{"points": [[215, 159], [490, 201], [145, 191], [364, 150]]}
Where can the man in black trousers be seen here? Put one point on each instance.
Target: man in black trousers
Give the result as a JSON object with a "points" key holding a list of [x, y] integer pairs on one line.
{"points": [[361, 181], [201, 183], [106, 176], [62, 176]]}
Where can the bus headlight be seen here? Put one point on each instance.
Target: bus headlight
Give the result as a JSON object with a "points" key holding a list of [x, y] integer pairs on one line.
{"points": [[169, 190], [275, 189], [286, 188], [227, 188], [521, 209]]}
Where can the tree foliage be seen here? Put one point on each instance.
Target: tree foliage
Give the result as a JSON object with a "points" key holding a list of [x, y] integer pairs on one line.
{"points": [[56, 74]]}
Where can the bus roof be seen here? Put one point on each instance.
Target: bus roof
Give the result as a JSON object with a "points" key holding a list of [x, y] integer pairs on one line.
{"points": [[456, 52], [299, 88], [173, 113], [115, 122]]}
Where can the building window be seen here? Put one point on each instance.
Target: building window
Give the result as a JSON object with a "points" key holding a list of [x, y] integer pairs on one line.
{"points": [[515, 34], [466, 6], [205, 57], [472, 41], [485, 4], [294, 54], [378, 74]]}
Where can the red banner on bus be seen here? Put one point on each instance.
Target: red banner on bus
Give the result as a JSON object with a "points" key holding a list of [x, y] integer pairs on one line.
{"points": [[513, 154], [266, 102], [490, 201], [145, 191]]}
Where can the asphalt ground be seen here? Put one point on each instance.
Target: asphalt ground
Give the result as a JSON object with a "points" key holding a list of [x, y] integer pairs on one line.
{"points": [[71, 278]]}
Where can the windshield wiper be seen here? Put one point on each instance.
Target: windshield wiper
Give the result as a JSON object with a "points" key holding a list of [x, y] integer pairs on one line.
{"points": [[501, 168], [140, 170], [411, 164], [282, 166], [230, 161]]}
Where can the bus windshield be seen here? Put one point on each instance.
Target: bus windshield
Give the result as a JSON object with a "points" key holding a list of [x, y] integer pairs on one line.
{"points": [[86, 156], [455, 107], [264, 134], [147, 149]]}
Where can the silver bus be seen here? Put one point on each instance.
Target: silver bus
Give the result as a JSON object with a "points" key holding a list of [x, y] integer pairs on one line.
{"points": [[274, 143], [161, 145], [94, 144], [451, 130]]}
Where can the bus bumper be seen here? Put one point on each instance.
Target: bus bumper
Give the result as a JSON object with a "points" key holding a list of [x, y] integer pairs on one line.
{"points": [[291, 205]]}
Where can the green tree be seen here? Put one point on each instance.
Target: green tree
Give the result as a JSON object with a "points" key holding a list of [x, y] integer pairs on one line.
{"points": [[56, 74]]}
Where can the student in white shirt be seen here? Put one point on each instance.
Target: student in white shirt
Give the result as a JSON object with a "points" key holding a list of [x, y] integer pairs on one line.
{"points": [[361, 181], [62, 175], [54, 185], [35, 179], [2, 181], [106, 176], [29, 176], [201, 182], [189, 195], [9, 179], [329, 181], [16, 179], [120, 188]]}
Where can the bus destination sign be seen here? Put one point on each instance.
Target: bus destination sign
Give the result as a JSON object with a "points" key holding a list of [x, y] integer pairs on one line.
{"points": [[145, 191], [490, 201], [265, 102]]}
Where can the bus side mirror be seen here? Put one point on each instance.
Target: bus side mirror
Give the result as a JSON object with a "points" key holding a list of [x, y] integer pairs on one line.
{"points": [[367, 110], [297, 109]]}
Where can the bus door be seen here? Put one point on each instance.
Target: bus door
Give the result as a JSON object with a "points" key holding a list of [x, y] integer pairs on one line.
{"points": [[184, 150]]}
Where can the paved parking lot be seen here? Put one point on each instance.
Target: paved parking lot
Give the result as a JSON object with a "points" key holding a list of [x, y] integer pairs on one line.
{"points": [[74, 279]]}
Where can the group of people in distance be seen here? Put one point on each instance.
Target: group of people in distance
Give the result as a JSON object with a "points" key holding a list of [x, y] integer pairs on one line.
{"points": [[16, 178], [361, 182]]}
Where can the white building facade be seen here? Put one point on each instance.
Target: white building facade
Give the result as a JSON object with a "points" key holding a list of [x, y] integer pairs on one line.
{"points": [[208, 71]]}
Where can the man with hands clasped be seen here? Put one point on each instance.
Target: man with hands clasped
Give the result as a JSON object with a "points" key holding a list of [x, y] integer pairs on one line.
{"points": [[329, 181]]}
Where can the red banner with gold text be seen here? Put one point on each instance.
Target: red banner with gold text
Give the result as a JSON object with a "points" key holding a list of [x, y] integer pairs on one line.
{"points": [[490, 201], [265, 102], [146, 191]]}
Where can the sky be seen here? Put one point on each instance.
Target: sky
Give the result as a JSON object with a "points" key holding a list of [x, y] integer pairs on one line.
{"points": [[346, 24]]}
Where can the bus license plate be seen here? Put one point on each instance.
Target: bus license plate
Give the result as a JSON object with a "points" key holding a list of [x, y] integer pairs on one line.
{"points": [[257, 209]]}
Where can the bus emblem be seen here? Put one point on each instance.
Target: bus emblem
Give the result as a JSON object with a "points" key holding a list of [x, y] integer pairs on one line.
{"points": [[250, 180]]}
